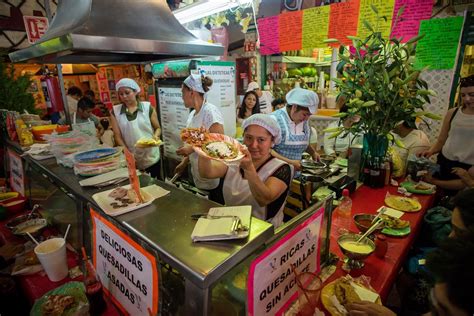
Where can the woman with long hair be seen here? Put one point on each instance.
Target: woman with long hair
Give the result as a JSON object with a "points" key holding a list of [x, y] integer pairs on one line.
{"points": [[250, 105]]}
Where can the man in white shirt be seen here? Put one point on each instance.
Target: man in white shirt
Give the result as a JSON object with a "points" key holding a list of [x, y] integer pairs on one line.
{"points": [[73, 95], [265, 98], [340, 144], [414, 140]]}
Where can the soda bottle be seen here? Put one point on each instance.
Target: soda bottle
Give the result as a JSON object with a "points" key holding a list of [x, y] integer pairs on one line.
{"points": [[342, 213]]}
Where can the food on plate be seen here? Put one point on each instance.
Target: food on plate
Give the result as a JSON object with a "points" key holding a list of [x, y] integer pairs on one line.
{"points": [[345, 292], [402, 203], [118, 193], [395, 223], [148, 142], [355, 247], [220, 149], [30, 229], [123, 197], [55, 305], [423, 186], [194, 136]]}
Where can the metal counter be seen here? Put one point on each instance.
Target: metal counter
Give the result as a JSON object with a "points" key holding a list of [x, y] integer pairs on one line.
{"points": [[166, 226]]}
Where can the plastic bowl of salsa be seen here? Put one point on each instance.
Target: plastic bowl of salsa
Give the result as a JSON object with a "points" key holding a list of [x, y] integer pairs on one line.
{"points": [[364, 221]]}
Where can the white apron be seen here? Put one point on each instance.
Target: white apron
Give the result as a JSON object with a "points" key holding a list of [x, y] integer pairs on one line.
{"points": [[132, 131], [197, 121], [236, 190]]}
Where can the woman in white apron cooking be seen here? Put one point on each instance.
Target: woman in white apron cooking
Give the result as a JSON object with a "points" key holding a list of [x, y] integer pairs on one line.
{"points": [[260, 179], [133, 120], [294, 125], [205, 115]]}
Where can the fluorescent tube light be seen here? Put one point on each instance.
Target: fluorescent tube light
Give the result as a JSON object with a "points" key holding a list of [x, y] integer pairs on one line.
{"points": [[205, 8]]}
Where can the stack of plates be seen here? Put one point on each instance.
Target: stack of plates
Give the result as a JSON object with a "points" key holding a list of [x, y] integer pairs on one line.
{"points": [[97, 161]]}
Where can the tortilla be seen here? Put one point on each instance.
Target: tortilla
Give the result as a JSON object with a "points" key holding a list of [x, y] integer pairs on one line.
{"points": [[402, 203], [220, 149], [194, 136], [148, 142]]}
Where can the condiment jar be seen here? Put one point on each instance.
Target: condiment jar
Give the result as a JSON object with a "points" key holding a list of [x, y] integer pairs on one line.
{"points": [[381, 246]]}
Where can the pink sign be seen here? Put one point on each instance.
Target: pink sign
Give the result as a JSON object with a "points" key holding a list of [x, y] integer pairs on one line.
{"points": [[35, 27], [271, 284], [408, 24], [268, 30]]}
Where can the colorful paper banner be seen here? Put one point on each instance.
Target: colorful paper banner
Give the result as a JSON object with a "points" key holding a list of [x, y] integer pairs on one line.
{"points": [[290, 30], [343, 20], [408, 24], [315, 27], [439, 47], [269, 35], [385, 8]]}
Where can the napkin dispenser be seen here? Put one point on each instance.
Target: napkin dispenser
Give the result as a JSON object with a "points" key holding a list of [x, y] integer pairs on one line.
{"points": [[345, 182]]}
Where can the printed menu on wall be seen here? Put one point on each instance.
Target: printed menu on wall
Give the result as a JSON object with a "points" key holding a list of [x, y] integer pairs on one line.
{"points": [[223, 91], [343, 21], [173, 117], [408, 24], [438, 49], [384, 8], [268, 30], [315, 27], [290, 30]]}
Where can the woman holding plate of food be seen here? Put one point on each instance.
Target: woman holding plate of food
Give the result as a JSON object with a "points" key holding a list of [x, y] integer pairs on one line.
{"points": [[259, 179], [203, 115], [134, 120]]}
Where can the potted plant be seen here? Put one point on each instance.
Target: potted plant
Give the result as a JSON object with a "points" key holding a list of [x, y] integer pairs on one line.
{"points": [[381, 88], [14, 95]]}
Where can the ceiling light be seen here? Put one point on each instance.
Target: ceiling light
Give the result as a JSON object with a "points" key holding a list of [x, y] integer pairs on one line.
{"points": [[205, 8]]}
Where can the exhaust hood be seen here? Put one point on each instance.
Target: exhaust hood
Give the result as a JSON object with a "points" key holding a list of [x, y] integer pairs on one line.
{"points": [[114, 32]]}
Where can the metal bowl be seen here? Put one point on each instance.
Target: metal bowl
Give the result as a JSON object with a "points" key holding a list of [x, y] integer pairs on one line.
{"points": [[312, 165], [364, 221], [32, 226], [327, 159], [355, 258], [11, 224]]}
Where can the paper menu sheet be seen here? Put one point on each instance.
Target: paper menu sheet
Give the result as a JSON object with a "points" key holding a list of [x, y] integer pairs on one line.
{"points": [[215, 228], [391, 212], [244, 212]]}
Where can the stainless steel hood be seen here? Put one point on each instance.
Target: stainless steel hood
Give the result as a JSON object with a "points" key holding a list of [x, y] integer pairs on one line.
{"points": [[114, 31]]}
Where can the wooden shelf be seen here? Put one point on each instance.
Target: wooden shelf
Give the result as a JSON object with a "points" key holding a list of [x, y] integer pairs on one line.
{"points": [[299, 60]]}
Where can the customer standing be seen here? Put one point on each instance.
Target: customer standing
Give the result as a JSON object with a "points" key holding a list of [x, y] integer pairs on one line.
{"points": [[135, 119], [205, 115], [294, 125], [265, 98], [455, 143], [250, 105], [73, 95]]}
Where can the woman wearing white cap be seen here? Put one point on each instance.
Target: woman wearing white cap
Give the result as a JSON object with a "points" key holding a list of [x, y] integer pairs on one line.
{"points": [[135, 119], [260, 180], [294, 125], [205, 115]]}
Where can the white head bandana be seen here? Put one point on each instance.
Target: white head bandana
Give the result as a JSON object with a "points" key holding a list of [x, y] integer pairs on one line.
{"points": [[128, 83], [194, 82], [303, 97], [267, 122]]}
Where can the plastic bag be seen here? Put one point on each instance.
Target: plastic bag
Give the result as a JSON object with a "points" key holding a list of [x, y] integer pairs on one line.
{"points": [[438, 220], [87, 128], [64, 146]]}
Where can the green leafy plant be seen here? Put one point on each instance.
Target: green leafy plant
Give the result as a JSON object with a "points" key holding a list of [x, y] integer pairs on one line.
{"points": [[13, 91], [380, 84]]}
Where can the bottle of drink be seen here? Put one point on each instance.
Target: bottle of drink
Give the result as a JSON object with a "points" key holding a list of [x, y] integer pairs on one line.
{"points": [[94, 290], [342, 213]]}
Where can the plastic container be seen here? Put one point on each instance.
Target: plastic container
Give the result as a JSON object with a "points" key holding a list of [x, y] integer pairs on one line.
{"points": [[52, 255], [342, 213], [40, 131]]}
